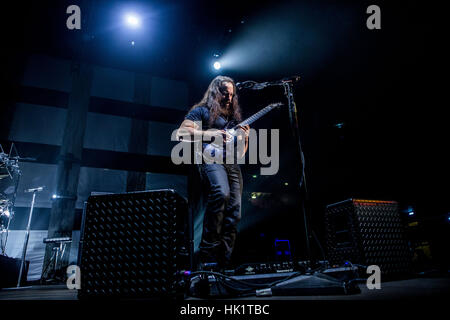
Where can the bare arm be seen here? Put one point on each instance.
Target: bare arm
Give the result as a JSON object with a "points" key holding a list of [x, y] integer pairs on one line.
{"points": [[190, 128]]}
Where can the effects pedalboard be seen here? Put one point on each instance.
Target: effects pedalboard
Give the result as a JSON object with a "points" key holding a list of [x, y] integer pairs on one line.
{"points": [[265, 274], [288, 266], [267, 267]]}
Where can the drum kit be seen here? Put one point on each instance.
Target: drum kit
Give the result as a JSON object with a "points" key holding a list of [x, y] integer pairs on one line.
{"points": [[9, 181]]}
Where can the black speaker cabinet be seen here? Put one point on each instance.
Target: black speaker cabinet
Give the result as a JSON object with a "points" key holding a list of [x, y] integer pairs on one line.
{"points": [[367, 232], [132, 245], [9, 271]]}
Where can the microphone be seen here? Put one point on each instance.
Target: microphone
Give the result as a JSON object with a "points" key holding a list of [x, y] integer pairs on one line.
{"points": [[35, 189], [259, 86], [246, 84], [251, 85], [26, 158], [291, 79]]}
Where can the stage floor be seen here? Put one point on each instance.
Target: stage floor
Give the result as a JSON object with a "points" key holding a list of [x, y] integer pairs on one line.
{"points": [[392, 290]]}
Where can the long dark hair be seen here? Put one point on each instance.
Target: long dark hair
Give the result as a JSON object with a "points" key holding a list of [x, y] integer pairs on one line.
{"points": [[213, 96]]}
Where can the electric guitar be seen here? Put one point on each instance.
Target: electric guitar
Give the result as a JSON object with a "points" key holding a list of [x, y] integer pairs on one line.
{"points": [[214, 150]]}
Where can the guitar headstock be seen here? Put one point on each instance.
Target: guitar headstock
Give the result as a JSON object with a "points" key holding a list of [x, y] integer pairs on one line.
{"points": [[275, 105]]}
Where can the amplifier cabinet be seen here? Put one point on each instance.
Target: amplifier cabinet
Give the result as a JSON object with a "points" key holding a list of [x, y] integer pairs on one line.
{"points": [[131, 245], [367, 232]]}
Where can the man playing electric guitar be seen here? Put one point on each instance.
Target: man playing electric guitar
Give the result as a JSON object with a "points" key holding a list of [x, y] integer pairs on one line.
{"points": [[218, 108]]}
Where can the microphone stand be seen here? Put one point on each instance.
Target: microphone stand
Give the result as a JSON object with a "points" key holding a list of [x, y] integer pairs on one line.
{"points": [[287, 84], [289, 93], [309, 282], [27, 234]]}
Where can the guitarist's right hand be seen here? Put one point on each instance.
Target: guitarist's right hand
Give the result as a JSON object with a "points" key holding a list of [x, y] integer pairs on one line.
{"points": [[226, 136], [214, 134]]}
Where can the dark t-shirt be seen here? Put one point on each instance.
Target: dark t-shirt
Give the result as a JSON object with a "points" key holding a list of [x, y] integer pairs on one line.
{"points": [[202, 114]]}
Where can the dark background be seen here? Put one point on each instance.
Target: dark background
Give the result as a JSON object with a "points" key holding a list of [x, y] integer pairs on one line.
{"points": [[383, 87]]}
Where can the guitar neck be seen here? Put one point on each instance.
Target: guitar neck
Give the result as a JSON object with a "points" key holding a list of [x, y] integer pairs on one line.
{"points": [[255, 117]]}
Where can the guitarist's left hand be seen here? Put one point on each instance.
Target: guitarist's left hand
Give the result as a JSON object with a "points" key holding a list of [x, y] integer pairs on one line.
{"points": [[246, 130]]}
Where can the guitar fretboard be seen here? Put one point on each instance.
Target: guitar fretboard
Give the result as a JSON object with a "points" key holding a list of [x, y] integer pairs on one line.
{"points": [[257, 115]]}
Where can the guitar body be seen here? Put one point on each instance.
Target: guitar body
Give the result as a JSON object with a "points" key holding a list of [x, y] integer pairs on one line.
{"points": [[214, 150]]}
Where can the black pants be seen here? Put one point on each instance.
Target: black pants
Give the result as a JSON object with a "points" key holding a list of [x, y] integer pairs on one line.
{"points": [[223, 212]]}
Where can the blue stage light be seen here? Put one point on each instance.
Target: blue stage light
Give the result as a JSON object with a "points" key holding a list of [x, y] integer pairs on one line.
{"points": [[217, 65], [132, 20]]}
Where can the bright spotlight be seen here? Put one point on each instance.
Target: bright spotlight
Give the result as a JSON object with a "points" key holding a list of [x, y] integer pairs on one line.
{"points": [[217, 65], [132, 20], [54, 196]]}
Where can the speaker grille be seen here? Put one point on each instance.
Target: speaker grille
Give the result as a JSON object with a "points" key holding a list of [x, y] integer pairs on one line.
{"points": [[367, 232], [130, 243]]}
